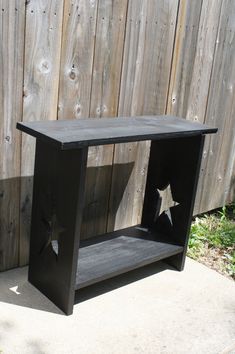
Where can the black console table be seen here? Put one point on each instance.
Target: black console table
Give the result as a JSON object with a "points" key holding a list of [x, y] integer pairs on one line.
{"points": [[59, 262]]}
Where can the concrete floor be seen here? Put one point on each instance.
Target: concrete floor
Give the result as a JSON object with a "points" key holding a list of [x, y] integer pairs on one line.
{"points": [[151, 310]]}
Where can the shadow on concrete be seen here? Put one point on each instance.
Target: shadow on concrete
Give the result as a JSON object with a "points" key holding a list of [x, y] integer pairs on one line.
{"points": [[119, 281], [16, 290]]}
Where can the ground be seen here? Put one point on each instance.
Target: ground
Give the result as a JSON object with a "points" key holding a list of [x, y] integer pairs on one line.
{"points": [[150, 310]]}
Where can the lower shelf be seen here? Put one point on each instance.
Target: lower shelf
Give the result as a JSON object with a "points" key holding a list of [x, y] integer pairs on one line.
{"points": [[118, 252]]}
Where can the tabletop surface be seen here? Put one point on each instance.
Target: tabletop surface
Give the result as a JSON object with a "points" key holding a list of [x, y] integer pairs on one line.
{"points": [[77, 133]]}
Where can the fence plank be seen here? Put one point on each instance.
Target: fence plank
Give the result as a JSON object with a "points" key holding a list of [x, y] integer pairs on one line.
{"points": [[184, 55], [78, 45], [111, 21], [145, 76], [12, 18], [79, 24], [108, 57], [218, 186], [192, 65], [203, 60], [200, 83], [41, 77]]}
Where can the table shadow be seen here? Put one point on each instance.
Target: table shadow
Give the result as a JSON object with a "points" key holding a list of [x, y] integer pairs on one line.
{"points": [[15, 288]]}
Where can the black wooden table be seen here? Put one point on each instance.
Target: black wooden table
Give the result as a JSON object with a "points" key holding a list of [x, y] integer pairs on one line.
{"points": [[59, 262]]}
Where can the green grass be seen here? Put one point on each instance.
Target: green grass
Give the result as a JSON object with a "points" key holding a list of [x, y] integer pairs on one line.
{"points": [[212, 240]]}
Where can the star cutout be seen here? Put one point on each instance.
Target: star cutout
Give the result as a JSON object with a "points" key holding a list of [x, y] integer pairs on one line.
{"points": [[167, 199], [53, 230], [166, 202]]}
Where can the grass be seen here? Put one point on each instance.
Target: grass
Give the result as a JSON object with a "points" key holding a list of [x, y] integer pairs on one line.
{"points": [[212, 240]]}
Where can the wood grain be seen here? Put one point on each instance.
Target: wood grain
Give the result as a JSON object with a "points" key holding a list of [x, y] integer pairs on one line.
{"points": [[218, 186], [144, 85], [201, 76], [79, 24], [108, 52], [41, 79], [183, 56], [203, 61], [12, 17], [192, 66], [77, 57]]}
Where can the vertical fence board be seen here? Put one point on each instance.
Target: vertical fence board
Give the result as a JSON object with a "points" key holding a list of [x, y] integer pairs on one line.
{"points": [[93, 34], [201, 75], [78, 39], [111, 21], [12, 19], [218, 186], [192, 65], [41, 77], [203, 60], [145, 76], [184, 56]]}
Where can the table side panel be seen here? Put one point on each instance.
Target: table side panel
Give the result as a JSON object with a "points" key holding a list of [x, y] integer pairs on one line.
{"points": [[175, 163], [58, 197]]}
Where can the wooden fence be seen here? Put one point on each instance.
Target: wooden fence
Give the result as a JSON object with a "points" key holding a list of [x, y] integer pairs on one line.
{"points": [[64, 59]]}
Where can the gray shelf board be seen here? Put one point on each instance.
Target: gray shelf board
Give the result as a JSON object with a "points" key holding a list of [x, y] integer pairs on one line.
{"points": [[120, 251]]}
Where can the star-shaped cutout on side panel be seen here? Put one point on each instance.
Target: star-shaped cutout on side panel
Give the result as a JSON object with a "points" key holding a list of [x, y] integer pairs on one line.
{"points": [[54, 230], [166, 202]]}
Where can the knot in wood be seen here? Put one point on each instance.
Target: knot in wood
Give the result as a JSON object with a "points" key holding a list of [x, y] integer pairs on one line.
{"points": [[92, 3], [45, 67], [78, 109], [72, 75]]}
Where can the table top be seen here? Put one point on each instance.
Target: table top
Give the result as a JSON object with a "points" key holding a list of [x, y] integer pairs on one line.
{"points": [[77, 133]]}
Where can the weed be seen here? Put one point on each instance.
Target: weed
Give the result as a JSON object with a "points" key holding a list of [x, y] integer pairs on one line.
{"points": [[212, 240]]}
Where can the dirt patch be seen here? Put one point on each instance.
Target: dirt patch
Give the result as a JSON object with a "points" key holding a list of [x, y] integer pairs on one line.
{"points": [[216, 259]]}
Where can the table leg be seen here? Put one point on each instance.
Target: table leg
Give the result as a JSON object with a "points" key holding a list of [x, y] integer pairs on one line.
{"points": [[58, 197], [175, 163]]}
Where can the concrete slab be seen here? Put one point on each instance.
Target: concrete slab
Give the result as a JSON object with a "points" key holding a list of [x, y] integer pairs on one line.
{"points": [[151, 310]]}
